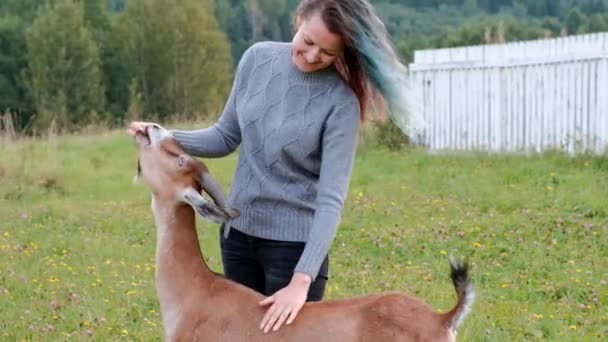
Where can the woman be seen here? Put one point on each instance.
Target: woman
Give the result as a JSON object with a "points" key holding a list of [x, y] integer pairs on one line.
{"points": [[295, 110]]}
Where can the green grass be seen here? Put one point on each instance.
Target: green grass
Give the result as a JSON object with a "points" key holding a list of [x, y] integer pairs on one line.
{"points": [[77, 239]]}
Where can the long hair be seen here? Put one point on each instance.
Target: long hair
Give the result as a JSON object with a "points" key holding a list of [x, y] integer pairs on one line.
{"points": [[368, 63]]}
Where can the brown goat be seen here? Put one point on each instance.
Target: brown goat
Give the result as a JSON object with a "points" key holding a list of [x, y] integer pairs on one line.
{"points": [[197, 304]]}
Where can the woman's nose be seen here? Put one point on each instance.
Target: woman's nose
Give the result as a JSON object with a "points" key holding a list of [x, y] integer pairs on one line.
{"points": [[313, 57]]}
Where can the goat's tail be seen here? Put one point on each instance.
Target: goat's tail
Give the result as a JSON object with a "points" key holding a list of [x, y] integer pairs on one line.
{"points": [[459, 272]]}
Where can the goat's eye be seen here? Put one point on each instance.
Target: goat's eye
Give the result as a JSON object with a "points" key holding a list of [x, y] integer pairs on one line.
{"points": [[180, 161]]}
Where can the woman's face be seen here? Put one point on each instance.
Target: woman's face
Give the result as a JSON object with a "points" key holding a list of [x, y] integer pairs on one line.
{"points": [[314, 47]]}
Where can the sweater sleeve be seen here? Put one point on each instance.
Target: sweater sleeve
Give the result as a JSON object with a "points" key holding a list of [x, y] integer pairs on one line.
{"points": [[338, 151], [223, 137]]}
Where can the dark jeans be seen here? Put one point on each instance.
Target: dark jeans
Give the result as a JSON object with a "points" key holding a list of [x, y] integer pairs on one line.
{"points": [[265, 265]]}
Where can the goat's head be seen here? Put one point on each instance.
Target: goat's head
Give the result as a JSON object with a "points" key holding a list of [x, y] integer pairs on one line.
{"points": [[174, 177]]}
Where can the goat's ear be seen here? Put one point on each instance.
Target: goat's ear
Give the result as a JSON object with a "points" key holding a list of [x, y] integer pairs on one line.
{"points": [[171, 146], [204, 207]]}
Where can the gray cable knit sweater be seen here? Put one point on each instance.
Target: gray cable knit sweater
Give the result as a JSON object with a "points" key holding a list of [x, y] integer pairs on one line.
{"points": [[297, 133]]}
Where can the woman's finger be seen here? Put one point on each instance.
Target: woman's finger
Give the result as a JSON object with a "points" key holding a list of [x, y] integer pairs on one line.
{"points": [[282, 319], [134, 125], [139, 125], [267, 316], [267, 300], [273, 318], [292, 316]]}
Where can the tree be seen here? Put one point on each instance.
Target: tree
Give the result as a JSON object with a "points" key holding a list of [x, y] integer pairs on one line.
{"points": [[179, 57], [470, 7], [234, 21], [575, 19], [502, 28], [116, 5], [118, 71], [64, 76], [249, 21], [277, 19], [552, 25], [12, 64], [98, 21], [595, 23], [200, 61], [25, 9]]}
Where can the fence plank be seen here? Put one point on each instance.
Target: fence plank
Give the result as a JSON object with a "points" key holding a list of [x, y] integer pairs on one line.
{"points": [[601, 130]]}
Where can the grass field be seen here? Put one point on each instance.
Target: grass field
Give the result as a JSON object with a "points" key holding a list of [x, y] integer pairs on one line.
{"points": [[77, 239]]}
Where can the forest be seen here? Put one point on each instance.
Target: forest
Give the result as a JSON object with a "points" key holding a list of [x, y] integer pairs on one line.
{"points": [[73, 63]]}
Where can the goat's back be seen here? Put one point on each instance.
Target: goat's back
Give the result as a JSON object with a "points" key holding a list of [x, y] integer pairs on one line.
{"points": [[380, 317]]}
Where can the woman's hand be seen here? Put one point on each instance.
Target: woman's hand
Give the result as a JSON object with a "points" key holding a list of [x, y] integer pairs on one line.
{"points": [[286, 303], [136, 126]]}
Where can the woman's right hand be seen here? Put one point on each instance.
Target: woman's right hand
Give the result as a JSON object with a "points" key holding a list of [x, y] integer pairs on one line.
{"points": [[136, 126]]}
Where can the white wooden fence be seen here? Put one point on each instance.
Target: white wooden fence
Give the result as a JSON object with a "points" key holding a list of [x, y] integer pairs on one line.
{"points": [[525, 96]]}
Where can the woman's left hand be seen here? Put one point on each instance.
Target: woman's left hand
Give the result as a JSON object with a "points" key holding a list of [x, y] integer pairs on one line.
{"points": [[286, 303]]}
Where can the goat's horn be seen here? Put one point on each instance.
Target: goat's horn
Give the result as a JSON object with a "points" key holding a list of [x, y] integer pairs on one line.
{"points": [[212, 187]]}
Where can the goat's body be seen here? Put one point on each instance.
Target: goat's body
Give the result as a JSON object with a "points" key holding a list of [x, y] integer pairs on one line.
{"points": [[233, 314], [199, 305]]}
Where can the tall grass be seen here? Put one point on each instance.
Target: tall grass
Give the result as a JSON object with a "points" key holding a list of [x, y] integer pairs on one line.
{"points": [[77, 239]]}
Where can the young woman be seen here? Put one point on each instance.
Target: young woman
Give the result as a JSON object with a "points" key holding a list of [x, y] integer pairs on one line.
{"points": [[294, 110]]}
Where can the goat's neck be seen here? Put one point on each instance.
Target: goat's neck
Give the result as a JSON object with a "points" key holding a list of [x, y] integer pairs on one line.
{"points": [[180, 268]]}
